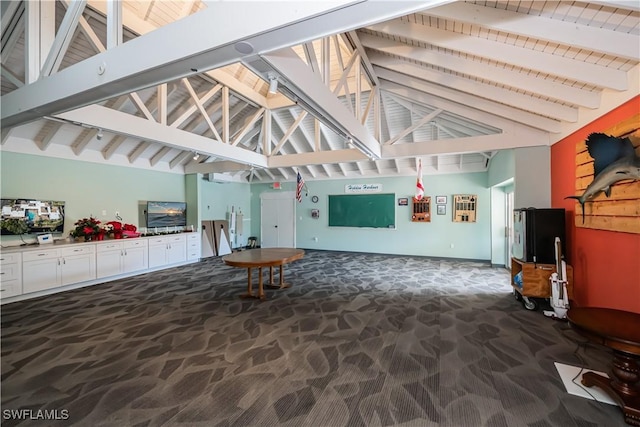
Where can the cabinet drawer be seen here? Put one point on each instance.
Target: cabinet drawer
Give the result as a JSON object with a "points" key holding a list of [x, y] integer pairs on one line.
{"points": [[36, 255], [138, 243], [84, 249], [9, 258], [193, 237], [106, 247], [174, 239], [10, 288], [157, 241], [10, 271]]}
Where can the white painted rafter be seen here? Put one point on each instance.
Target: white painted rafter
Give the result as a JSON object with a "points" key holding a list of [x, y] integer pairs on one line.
{"points": [[527, 58], [113, 145], [413, 127], [63, 37], [79, 84], [569, 33], [471, 101], [79, 147], [487, 71]]}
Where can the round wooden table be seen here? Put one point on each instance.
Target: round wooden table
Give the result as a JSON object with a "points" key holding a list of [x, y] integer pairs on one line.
{"points": [[267, 257], [620, 331]]}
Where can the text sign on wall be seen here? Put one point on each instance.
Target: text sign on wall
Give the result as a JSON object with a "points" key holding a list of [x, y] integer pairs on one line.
{"points": [[363, 188]]}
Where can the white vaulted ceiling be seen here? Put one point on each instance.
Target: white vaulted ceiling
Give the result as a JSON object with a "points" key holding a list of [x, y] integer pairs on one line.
{"points": [[365, 89]]}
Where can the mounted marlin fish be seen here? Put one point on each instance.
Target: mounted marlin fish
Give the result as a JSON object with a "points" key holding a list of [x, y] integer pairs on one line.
{"points": [[614, 160]]}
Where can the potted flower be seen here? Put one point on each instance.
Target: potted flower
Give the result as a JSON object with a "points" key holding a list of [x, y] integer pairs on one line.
{"points": [[86, 228], [126, 230], [116, 229]]}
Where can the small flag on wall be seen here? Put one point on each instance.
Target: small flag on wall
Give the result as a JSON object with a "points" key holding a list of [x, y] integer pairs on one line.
{"points": [[299, 187], [419, 186]]}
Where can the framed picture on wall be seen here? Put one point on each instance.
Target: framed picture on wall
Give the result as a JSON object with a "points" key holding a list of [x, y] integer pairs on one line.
{"points": [[442, 209], [403, 202], [441, 200]]}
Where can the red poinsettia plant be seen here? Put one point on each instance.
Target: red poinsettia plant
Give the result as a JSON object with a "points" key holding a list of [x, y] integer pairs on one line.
{"points": [[120, 229], [86, 227]]}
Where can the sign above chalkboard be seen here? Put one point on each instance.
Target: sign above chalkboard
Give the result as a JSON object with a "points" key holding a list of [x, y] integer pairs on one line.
{"points": [[363, 188]]}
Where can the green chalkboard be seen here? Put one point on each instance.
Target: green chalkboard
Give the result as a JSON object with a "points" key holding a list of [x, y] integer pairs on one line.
{"points": [[362, 210]]}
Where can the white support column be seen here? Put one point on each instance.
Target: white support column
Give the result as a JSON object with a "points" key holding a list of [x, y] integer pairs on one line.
{"points": [[358, 99], [162, 104], [63, 38], [114, 23], [326, 61], [39, 36], [225, 114], [266, 133]]}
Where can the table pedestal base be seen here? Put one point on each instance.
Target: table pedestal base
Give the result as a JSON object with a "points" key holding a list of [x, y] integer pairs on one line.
{"points": [[280, 285], [624, 387], [261, 295]]}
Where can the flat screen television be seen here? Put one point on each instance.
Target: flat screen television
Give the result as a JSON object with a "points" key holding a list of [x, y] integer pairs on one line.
{"points": [[40, 216], [166, 214]]}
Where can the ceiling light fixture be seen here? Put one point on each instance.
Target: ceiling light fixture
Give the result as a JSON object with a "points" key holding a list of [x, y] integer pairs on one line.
{"points": [[196, 156], [99, 135], [273, 84]]}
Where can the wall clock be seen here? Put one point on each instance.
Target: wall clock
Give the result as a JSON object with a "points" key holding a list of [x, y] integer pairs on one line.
{"points": [[314, 199]]}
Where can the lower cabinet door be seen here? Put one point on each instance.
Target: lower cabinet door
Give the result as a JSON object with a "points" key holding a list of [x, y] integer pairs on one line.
{"points": [[78, 268], [109, 262], [41, 274], [135, 259]]}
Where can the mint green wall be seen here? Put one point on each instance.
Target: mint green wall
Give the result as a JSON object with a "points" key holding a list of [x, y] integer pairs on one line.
{"points": [[87, 188], [470, 241], [217, 199], [502, 167]]}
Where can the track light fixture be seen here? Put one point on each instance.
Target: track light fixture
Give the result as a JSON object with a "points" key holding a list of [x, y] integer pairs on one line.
{"points": [[273, 84], [99, 135], [196, 156]]}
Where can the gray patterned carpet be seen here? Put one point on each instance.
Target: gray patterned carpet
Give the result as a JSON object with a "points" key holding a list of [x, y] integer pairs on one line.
{"points": [[358, 340]]}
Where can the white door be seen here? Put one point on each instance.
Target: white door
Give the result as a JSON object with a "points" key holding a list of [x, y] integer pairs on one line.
{"points": [[277, 220], [269, 223]]}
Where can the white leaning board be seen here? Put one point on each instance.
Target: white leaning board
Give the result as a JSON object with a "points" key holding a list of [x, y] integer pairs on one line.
{"points": [[568, 373]]}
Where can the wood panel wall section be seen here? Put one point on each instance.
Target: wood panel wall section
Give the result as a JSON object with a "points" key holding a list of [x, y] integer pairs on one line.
{"points": [[620, 211]]}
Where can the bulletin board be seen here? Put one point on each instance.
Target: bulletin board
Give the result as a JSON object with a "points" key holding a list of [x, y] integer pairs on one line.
{"points": [[362, 210]]}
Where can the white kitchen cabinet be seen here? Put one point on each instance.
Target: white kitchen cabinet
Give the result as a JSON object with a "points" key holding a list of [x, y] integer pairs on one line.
{"points": [[136, 256], [50, 268], [28, 272], [167, 250], [120, 257], [193, 246], [10, 275], [77, 264]]}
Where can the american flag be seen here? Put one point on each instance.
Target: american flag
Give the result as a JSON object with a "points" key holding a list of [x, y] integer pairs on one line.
{"points": [[300, 181], [419, 185]]}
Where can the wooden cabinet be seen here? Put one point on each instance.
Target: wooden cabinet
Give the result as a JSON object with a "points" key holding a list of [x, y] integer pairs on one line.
{"points": [[50, 268], [10, 275], [115, 258], [535, 278], [167, 250]]}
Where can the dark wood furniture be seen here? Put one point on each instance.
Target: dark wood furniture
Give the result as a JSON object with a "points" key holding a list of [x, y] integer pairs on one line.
{"points": [[620, 331], [259, 258]]}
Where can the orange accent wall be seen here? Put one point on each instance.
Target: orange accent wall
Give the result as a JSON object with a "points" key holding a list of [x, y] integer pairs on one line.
{"points": [[606, 264]]}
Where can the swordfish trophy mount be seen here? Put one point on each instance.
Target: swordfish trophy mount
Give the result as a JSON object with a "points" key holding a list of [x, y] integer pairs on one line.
{"points": [[614, 160]]}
